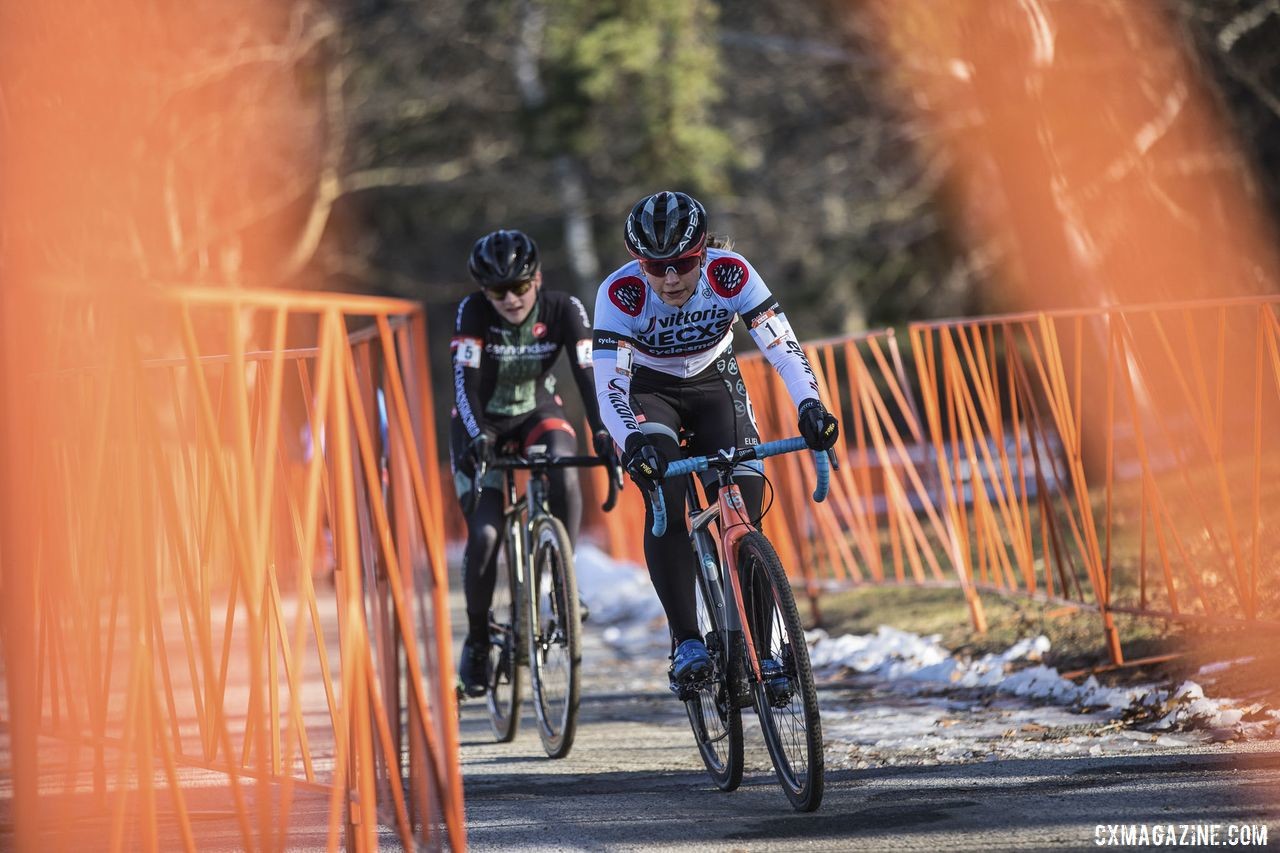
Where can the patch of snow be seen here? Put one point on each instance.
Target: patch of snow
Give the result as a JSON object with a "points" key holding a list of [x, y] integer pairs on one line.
{"points": [[903, 656], [1222, 666], [620, 597]]}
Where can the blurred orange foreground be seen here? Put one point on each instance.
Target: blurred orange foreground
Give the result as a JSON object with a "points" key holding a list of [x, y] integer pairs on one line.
{"points": [[223, 574]]}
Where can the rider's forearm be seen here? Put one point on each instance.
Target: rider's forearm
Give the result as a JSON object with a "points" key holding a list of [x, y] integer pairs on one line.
{"points": [[613, 395], [775, 338], [584, 377], [467, 399], [466, 351]]}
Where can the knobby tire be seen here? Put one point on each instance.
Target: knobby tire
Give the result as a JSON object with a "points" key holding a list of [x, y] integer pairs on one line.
{"points": [[788, 717], [503, 697], [714, 717], [555, 636]]}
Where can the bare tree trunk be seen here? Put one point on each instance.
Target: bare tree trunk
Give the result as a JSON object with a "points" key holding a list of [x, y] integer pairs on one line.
{"points": [[578, 237]]}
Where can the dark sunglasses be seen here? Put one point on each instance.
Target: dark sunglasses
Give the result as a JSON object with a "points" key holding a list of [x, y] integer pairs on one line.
{"points": [[519, 288], [680, 265]]}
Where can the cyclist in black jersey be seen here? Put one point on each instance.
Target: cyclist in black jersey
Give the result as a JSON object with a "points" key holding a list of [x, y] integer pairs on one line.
{"points": [[506, 340], [664, 363]]}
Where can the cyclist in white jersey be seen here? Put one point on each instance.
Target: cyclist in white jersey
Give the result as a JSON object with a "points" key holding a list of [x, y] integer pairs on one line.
{"points": [[664, 363]]}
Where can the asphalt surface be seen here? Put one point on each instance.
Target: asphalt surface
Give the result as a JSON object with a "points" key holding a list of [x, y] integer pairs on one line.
{"points": [[634, 782], [905, 771]]}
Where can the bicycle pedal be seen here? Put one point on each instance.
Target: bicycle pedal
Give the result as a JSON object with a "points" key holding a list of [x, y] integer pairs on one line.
{"points": [[690, 689]]}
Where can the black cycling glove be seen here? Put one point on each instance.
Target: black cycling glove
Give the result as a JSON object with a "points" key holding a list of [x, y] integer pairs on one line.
{"points": [[480, 451], [818, 426], [643, 462]]}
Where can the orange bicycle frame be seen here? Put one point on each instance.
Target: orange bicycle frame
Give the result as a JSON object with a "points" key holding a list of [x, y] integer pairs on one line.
{"points": [[735, 524]]}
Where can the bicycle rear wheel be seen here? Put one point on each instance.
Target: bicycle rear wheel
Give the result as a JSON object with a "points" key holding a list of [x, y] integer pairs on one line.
{"points": [[503, 698], [787, 702], [714, 717], [555, 636]]}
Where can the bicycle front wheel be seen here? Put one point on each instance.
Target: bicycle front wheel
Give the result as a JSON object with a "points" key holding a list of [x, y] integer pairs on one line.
{"points": [[713, 715], [504, 649], [555, 636], [785, 699]]}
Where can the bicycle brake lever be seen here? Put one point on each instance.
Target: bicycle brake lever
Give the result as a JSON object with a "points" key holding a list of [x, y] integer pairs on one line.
{"points": [[659, 504], [615, 484]]}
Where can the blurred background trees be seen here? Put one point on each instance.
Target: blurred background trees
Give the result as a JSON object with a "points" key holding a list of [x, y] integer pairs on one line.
{"points": [[555, 116], [365, 144]]}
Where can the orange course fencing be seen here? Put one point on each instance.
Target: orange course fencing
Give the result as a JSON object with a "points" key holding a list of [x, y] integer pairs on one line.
{"points": [[223, 571], [1122, 460]]}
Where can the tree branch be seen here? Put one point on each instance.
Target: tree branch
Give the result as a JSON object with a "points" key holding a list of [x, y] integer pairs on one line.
{"points": [[299, 43], [413, 176], [1243, 23]]}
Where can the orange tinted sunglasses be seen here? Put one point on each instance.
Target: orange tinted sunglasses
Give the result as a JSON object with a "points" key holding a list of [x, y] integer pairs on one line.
{"points": [[519, 288], [680, 265]]}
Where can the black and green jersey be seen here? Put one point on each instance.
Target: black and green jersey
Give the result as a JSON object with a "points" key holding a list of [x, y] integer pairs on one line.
{"points": [[501, 370]]}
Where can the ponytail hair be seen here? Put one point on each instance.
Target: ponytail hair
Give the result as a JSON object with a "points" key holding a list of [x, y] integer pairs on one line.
{"points": [[720, 241]]}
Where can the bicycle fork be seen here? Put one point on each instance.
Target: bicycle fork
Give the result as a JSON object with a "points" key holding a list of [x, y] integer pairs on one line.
{"points": [[532, 579]]}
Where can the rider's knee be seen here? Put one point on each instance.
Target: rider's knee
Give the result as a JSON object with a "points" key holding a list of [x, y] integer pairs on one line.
{"points": [[484, 537]]}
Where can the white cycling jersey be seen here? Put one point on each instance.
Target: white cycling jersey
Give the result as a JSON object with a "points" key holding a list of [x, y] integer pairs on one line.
{"points": [[634, 328]]}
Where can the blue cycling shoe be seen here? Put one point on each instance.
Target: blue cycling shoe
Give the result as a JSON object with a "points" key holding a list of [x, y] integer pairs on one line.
{"points": [[690, 664], [776, 683]]}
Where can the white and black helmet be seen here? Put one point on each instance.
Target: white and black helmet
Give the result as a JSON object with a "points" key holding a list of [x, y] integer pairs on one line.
{"points": [[503, 257], [666, 226]]}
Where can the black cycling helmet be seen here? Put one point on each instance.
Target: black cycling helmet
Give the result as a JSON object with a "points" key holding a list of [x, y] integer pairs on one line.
{"points": [[503, 257], [666, 226]]}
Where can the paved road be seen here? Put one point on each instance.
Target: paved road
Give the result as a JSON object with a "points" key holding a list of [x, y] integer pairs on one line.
{"points": [[634, 781]]}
